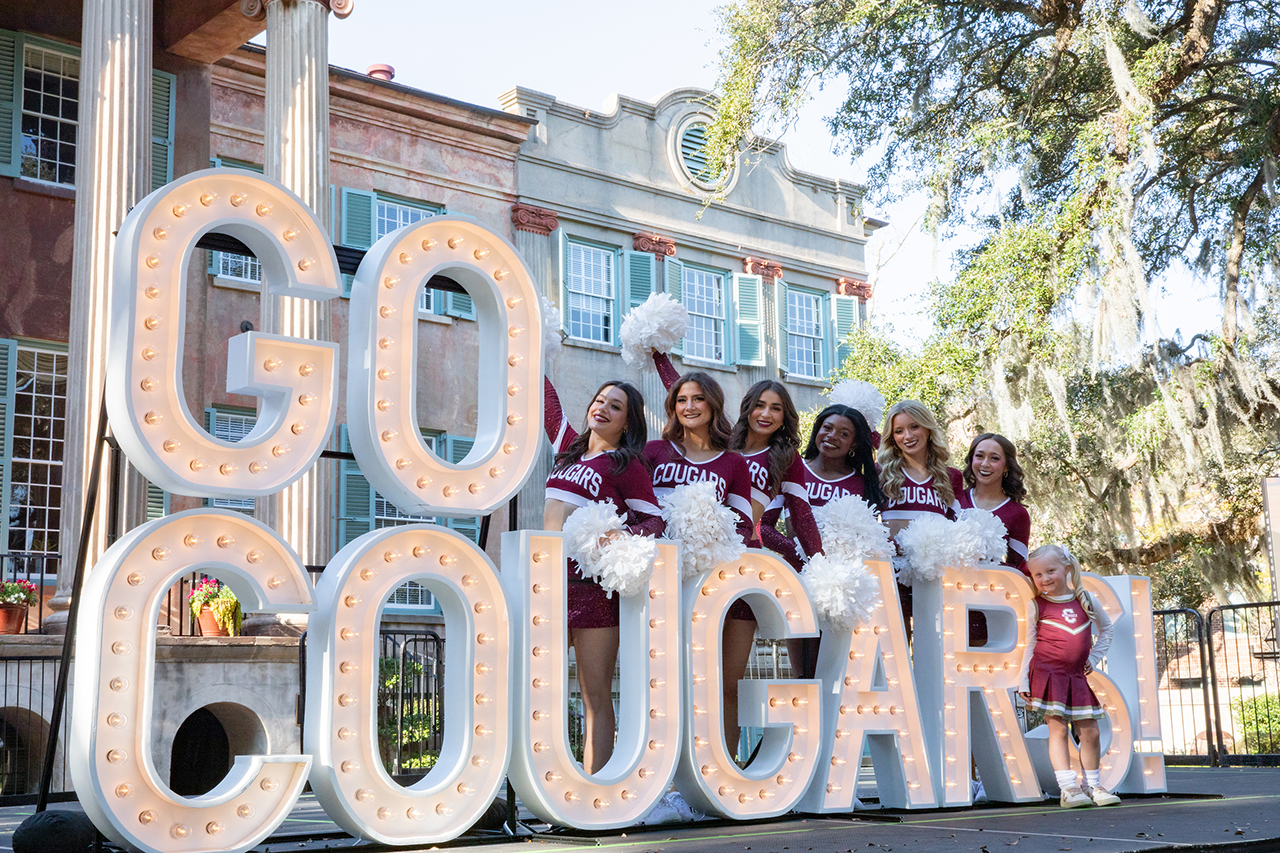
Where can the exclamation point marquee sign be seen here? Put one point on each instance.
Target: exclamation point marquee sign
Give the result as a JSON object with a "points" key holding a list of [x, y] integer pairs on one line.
{"points": [[506, 680]]}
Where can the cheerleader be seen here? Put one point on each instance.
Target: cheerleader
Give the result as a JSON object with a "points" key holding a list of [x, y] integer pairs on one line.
{"points": [[695, 447], [993, 481], [605, 462], [914, 474], [839, 460], [1060, 654]]}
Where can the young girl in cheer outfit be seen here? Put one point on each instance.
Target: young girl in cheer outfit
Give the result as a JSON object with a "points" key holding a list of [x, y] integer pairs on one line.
{"points": [[1060, 653], [914, 474], [695, 447], [603, 463], [839, 460]]}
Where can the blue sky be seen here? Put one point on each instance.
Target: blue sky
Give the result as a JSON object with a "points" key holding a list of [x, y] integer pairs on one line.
{"points": [[583, 52]]}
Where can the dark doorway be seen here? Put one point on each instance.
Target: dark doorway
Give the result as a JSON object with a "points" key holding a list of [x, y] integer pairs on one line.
{"points": [[14, 760], [201, 755]]}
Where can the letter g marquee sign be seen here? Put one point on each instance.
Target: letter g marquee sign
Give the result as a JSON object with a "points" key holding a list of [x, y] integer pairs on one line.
{"points": [[505, 674]]}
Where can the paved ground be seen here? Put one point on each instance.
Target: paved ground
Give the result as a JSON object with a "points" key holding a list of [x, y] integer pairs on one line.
{"points": [[1232, 810]]}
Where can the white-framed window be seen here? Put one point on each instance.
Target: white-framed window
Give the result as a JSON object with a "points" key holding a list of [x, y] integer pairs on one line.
{"points": [[38, 401], [239, 267], [704, 296], [231, 425], [412, 594], [50, 105], [390, 215], [39, 112], [805, 328], [590, 292]]}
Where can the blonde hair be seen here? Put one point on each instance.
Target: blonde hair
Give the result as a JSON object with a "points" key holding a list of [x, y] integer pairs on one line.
{"points": [[1063, 555], [891, 456]]}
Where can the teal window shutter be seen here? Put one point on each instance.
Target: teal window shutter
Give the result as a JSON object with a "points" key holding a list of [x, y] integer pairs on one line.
{"points": [[844, 312], [355, 496], [639, 276], [10, 101], [562, 246], [357, 225], [457, 305], [162, 106], [8, 376], [456, 448], [673, 274], [157, 502], [750, 331], [784, 353]]}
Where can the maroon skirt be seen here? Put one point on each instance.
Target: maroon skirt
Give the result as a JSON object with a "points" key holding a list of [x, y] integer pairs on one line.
{"points": [[1063, 694], [590, 606]]}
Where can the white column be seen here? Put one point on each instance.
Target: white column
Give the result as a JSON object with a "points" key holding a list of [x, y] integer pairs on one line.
{"points": [[537, 250], [113, 173]]}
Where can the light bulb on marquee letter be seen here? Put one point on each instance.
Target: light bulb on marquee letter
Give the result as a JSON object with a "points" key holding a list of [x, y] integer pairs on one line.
{"points": [[342, 686], [296, 379], [111, 713], [788, 710], [550, 782], [382, 384], [871, 697], [978, 714]]}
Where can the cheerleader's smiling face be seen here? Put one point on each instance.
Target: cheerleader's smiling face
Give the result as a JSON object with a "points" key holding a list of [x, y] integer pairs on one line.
{"points": [[692, 409], [989, 463], [607, 415], [910, 437], [767, 416], [835, 438], [1049, 574]]}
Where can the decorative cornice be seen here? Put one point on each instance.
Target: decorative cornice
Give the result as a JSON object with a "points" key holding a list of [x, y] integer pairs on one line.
{"points": [[659, 246], [757, 266], [537, 220], [853, 287]]}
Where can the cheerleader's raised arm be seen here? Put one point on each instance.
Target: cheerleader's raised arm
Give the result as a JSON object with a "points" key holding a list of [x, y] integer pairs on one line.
{"points": [[666, 370]]}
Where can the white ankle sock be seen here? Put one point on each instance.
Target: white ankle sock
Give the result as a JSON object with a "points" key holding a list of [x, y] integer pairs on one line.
{"points": [[1065, 778], [1091, 777]]}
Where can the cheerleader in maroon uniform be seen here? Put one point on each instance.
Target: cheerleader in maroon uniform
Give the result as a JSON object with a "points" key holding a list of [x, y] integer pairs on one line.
{"points": [[695, 447], [838, 461], [1060, 653], [603, 463], [993, 481], [914, 474]]}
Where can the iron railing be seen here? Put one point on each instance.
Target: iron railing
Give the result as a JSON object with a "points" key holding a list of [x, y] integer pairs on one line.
{"points": [[410, 700], [1182, 667], [1244, 681], [26, 685]]}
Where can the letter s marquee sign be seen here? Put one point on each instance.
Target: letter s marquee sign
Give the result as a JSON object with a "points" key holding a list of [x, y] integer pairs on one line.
{"points": [[506, 680]]}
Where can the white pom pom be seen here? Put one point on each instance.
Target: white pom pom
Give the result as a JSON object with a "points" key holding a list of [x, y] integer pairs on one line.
{"points": [[988, 533], [850, 530], [658, 323], [626, 564], [861, 397], [551, 321], [843, 592], [583, 530], [929, 544], [706, 528]]}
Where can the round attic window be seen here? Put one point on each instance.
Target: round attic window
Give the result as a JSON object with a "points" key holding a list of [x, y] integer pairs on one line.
{"points": [[691, 153]]}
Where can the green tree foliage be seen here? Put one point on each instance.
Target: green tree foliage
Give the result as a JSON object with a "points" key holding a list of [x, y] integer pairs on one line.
{"points": [[1139, 140]]}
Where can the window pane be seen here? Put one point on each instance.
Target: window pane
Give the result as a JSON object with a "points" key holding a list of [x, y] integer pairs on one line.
{"points": [[50, 105], [233, 427], [704, 297], [589, 281], [33, 502], [804, 334]]}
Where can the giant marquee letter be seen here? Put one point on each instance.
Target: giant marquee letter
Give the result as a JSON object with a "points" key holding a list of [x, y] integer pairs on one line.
{"points": [[788, 710], [870, 697], [295, 379], [978, 714], [342, 686], [110, 750], [550, 782], [382, 381]]}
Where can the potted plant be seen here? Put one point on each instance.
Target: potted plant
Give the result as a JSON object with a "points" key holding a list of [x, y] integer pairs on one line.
{"points": [[15, 597], [215, 607]]}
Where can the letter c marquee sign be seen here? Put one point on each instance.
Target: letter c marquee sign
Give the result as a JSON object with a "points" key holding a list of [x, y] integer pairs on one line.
{"points": [[506, 679]]}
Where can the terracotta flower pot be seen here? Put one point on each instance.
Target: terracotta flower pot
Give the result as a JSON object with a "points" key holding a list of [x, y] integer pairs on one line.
{"points": [[209, 626], [13, 618]]}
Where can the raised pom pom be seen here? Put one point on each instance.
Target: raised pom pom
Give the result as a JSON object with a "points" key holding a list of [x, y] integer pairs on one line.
{"points": [[707, 529], [658, 323], [861, 397], [626, 564], [988, 533], [850, 530], [843, 592], [551, 321], [929, 544]]}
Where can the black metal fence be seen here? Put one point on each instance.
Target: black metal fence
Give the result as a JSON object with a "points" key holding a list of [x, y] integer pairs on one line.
{"points": [[410, 700], [1183, 669], [26, 685], [1244, 680]]}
